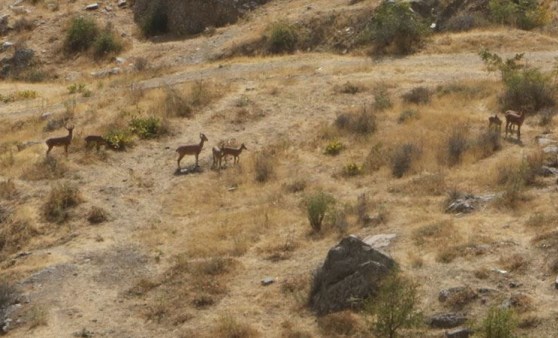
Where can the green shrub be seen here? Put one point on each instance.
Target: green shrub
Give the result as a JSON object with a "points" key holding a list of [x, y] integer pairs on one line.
{"points": [[60, 199], [76, 88], [526, 88], [395, 28], [395, 306], [282, 37], [317, 205], [333, 148], [352, 169], [118, 139], [498, 323], [524, 14], [156, 20], [418, 95], [81, 34], [146, 128], [106, 43], [402, 158]]}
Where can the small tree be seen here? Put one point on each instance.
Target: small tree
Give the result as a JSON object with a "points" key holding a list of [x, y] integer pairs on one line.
{"points": [[81, 34], [498, 323], [395, 306], [317, 207], [395, 26]]}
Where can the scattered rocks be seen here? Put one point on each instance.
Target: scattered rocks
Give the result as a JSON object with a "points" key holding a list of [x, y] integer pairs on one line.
{"points": [[446, 320], [92, 6], [352, 271], [457, 297], [468, 203], [460, 332], [188, 170]]}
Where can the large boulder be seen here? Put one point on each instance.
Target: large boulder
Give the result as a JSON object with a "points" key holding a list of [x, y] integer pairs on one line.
{"points": [[350, 274]]}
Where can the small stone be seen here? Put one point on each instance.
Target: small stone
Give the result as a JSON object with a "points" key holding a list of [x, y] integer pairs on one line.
{"points": [[514, 284], [447, 320], [6, 45], [120, 60], [379, 241], [267, 281], [92, 7], [460, 332], [121, 3]]}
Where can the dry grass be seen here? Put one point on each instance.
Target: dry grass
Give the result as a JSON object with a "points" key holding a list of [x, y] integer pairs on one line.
{"points": [[229, 327], [343, 323], [61, 198], [431, 235], [48, 168], [16, 230]]}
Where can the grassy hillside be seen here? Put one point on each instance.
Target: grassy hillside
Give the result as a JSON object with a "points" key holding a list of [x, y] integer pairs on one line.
{"points": [[113, 243]]}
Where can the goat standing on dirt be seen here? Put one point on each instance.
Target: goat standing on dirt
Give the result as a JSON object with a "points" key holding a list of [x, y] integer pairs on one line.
{"points": [[60, 141], [514, 118], [191, 149]]}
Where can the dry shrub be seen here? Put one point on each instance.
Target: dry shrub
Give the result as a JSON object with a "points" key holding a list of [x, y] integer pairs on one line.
{"points": [[229, 327], [37, 316], [8, 295], [520, 302], [476, 246], [360, 122], [176, 104], [376, 158], [289, 331], [456, 146], [487, 143], [482, 273], [514, 263], [433, 184], [348, 88], [213, 266], [15, 232], [47, 169], [530, 321], [553, 266], [296, 185], [342, 323], [402, 158], [458, 299], [431, 234], [61, 198], [407, 115], [418, 95], [547, 241], [263, 166], [8, 190], [282, 250], [97, 215]]}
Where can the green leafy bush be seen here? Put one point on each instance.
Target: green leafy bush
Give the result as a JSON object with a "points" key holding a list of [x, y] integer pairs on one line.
{"points": [[118, 139], [317, 205], [395, 306], [524, 14], [396, 29], [282, 37], [333, 148], [106, 43], [81, 34], [146, 128]]}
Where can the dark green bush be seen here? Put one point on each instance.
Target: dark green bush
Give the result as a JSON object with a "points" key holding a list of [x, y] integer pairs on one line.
{"points": [[156, 20], [396, 29], [106, 43], [282, 38], [81, 35]]}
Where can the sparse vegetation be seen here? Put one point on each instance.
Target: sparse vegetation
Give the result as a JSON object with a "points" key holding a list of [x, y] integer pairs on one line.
{"points": [[341, 323], [8, 294], [61, 198], [118, 138], [282, 37], [333, 148], [317, 206], [263, 167], [229, 327], [402, 159], [106, 43], [45, 169], [97, 215], [382, 100], [498, 323], [395, 307], [360, 122], [456, 146], [526, 14], [148, 127], [352, 169], [395, 29], [81, 34], [418, 95]]}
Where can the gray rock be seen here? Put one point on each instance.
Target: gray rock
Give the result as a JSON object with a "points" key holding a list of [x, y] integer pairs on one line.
{"points": [[351, 273], [552, 149], [6, 45], [446, 320], [548, 171], [267, 281], [121, 3], [92, 6], [460, 332], [463, 292], [379, 241]]}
